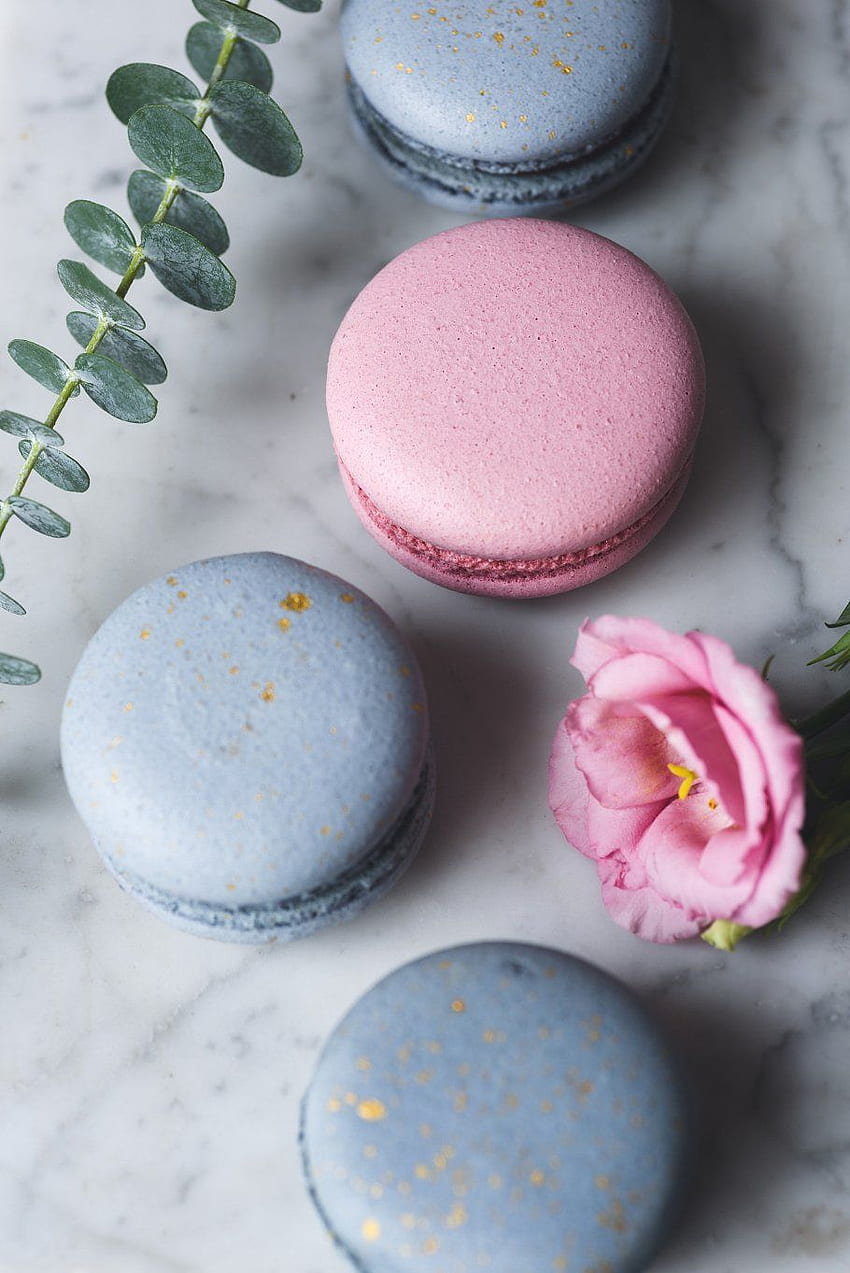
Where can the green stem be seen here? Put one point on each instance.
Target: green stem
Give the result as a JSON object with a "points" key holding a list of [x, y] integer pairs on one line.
{"points": [[829, 715], [172, 190]]}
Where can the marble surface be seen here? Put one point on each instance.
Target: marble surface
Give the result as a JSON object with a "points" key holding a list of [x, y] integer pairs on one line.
{"points": [[149, 1081]]}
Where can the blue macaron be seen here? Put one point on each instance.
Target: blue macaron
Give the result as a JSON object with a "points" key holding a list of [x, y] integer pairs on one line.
{"points": [[496, 1106], [247, 743], [506, 108]]}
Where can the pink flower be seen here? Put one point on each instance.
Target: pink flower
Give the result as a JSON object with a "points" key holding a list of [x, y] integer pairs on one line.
{"points": [[679, 776]]}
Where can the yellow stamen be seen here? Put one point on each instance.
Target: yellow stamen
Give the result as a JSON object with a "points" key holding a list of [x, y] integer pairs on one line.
{"points": [[688, 779]]}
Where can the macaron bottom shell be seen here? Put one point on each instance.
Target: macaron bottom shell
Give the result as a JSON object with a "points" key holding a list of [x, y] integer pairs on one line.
{"points": [[298, 916], [503, 190], [521, 579]]}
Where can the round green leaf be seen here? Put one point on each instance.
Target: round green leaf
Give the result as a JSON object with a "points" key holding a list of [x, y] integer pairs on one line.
{"points": [[57, 468], [39, 517], [95, 297], [255, 128], [15, 671], [22, 426], [247, 62], [114, 389], [122, 346], [144, 84], [229, 17], [303, 6], [101, 233], [10, 604], [174, 148], [188, 269], [188, 211], [45, 367]]}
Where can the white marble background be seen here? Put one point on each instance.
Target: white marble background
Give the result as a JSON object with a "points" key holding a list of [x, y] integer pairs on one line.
{"points": [[149, 1081]]}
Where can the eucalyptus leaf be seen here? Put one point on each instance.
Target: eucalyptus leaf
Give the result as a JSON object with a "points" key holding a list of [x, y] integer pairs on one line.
{"points": [[87, 290], [10, 604], [57, 468], [39, 517], [188, 269], [114, 389], [15, 671], [23, 426], [303, 6], [189, 211], [43, 365], [247, 62], [174, 148], [122, 346], [230, 17], [144, 84], [101, 234], [255, 128]]}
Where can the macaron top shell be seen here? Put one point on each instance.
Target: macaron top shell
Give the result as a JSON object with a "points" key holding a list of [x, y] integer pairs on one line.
{"points": [[517, 84], [243, 730], [515, 389], [497, 1106]]}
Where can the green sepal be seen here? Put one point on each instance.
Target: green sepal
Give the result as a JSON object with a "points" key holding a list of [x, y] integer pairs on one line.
{"points": [[95, 297], [255, 128], [230, 17], [114, 389], [39, 517], [10, 604], [42, 364], [15, 671], [247, 62], [190, 212], [124, 347], [145, 84], [303, 6], [188, 269], [23, 426], [57, 468], [101, 233], [172, 146]]}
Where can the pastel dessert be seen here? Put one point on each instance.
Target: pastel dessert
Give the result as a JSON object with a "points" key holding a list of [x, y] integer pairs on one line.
{"points": [[247, 743], [496, 1106], [514, 406], [505, 108]]}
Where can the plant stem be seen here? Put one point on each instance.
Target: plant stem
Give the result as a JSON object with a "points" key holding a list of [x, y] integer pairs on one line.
{"points": [[829, 715], [172, 190]]}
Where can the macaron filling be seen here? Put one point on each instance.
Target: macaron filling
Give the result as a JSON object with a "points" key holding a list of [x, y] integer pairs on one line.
{"points": [[307, 911], [569, 177], [469, 566]]}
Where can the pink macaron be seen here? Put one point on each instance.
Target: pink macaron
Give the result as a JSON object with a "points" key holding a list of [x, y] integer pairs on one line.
{"points": [[514, 406]]}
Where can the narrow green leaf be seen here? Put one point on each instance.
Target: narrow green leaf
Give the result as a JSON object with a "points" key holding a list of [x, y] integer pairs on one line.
{"points": [[247, 62], [843, 619], [87, 290], [144, 84], [303, 6], [185, 267], [229, 17], [122, 346], [101, 233], [174, 148], [2, 569], [188, 211], [23, 426], [45, 367], [15, 671], [10, 604], [57, 468], [114, 389], [255, 128], [39, 517]]}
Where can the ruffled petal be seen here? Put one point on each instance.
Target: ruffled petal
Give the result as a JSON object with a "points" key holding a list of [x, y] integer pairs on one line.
{"points": [[623, 757], [568, 794], [642, 910]]}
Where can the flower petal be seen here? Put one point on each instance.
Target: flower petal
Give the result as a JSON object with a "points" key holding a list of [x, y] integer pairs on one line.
{"points": [[611, 636], [672, 850], [641, 909], [623, 757], [619, 831], [568, 794]]}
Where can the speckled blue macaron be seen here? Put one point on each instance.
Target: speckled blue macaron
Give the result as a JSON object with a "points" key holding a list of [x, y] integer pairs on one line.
{"points": [[496, 1106], [496, 107], [247, 743]]}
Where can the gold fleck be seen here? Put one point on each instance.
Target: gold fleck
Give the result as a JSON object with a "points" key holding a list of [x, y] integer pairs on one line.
{"points": [[523, 119], [489, 1036], [348, 597], [128, 707], [552, 134], [422, 1171], [171, 581], [181, 596], [503, 123], [284, 624], [238, 815], [296, 601], [372, 1110], [602, 1182], [470, 119], [371, 1230], [350, 1098], [499, 38], [457, 1216], [370, 1151], [430, 1245], [113, 777], [233, 670], [334, 1105], [363, 1062], [179, 642], [537, 1178], [231, 888], [461, 1102], [625, 45], [424, 1076], [458, 1005], [324, 830], [267, 693], [145, 633]]}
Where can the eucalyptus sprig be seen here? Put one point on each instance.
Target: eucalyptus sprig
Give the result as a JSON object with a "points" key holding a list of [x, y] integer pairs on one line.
{"points": [[181, 238]]}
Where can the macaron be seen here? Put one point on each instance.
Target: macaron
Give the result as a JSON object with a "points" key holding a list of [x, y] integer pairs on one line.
{"points": [[496, 1106], [505, 108], [514, 406], [247, 743]]}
